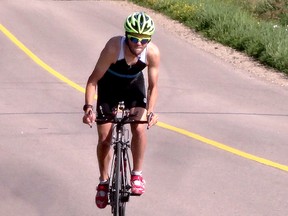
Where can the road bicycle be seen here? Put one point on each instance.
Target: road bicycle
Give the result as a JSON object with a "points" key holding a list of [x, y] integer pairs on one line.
{"points": [[119, 184]]}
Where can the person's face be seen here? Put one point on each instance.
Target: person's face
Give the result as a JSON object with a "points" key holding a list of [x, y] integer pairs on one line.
{"points": [[138, 42]]}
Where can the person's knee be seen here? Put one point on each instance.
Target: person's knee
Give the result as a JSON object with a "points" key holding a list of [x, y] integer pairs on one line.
{"points": [[104, 141], [138, 130]]}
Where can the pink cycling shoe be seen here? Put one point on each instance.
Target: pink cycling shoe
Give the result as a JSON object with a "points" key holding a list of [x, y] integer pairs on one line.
{"points": [[137, 184], [101, 198]]}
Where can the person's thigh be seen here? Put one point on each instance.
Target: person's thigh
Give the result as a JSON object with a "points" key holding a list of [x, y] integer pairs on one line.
{"points": [[139, 112]]}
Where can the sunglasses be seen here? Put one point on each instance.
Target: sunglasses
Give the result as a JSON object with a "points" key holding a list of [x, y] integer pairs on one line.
{"points": [[135, 39]]}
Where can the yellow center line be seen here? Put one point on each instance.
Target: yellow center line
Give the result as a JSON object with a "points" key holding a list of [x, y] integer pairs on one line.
{"points": [[218, 145], [224, 147], [39, 61]]}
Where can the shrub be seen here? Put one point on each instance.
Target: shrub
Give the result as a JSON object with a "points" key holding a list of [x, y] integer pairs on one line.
{"points": [[230, 23]]}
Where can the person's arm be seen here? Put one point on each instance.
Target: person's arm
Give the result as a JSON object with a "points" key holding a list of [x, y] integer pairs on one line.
{"points": [[153, 71], [107, 57]]}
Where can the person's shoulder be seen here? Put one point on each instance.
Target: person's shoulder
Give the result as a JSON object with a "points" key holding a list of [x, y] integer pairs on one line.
{"points": [[113, 45], [153, 49], [153, 55], [114, 41]]}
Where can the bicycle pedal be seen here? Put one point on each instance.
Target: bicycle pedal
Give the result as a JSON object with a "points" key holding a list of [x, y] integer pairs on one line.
{"points": [[128, 187], [125, 198], [135, 194]]}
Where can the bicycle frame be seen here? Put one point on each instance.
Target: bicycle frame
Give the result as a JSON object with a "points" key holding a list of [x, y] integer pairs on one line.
{"points": [[119, 186]]}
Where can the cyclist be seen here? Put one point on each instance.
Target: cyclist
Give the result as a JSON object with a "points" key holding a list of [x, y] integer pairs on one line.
{"points": [[118, 77]]}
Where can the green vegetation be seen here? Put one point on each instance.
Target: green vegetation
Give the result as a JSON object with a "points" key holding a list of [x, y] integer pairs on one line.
{"points": [[257, 27]]}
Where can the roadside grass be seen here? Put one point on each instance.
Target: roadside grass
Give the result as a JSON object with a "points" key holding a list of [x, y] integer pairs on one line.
{"points": [[276, 10], [258, 28]]}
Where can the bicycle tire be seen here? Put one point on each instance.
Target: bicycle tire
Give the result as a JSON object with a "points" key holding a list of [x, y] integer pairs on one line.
{"points": [[123, 193], [117, 181]]}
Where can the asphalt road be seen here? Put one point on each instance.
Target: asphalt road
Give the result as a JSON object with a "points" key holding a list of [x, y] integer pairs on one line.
{"points": [[220, 148]]}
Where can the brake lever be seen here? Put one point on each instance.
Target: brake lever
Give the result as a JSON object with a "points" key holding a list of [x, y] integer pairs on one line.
{"points": [[149, 117], [90, 114]]}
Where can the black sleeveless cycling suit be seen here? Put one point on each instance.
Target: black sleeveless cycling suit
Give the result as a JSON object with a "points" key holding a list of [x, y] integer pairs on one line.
{"points": [[122, 82]]}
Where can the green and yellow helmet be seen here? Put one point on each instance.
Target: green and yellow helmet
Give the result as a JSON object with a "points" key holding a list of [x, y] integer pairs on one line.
{"points": [[139, 23]]}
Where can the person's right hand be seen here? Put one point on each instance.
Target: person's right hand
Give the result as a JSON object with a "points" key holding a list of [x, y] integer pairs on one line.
{"points": [[89, 117]]}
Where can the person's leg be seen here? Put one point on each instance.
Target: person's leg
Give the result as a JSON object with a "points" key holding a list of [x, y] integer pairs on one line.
{"points": [[103, 149], [103, 155], [138, 146], [139, 140]]}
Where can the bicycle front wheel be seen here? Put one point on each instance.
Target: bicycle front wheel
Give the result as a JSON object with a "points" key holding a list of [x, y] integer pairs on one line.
{"points": [[117, 182]]}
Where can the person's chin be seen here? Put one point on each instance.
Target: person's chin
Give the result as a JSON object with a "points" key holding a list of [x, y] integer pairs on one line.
{"points": [[138, 50]]}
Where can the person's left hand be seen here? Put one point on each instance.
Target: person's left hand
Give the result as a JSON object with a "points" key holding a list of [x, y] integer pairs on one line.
{"points": [[152, 119]]}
